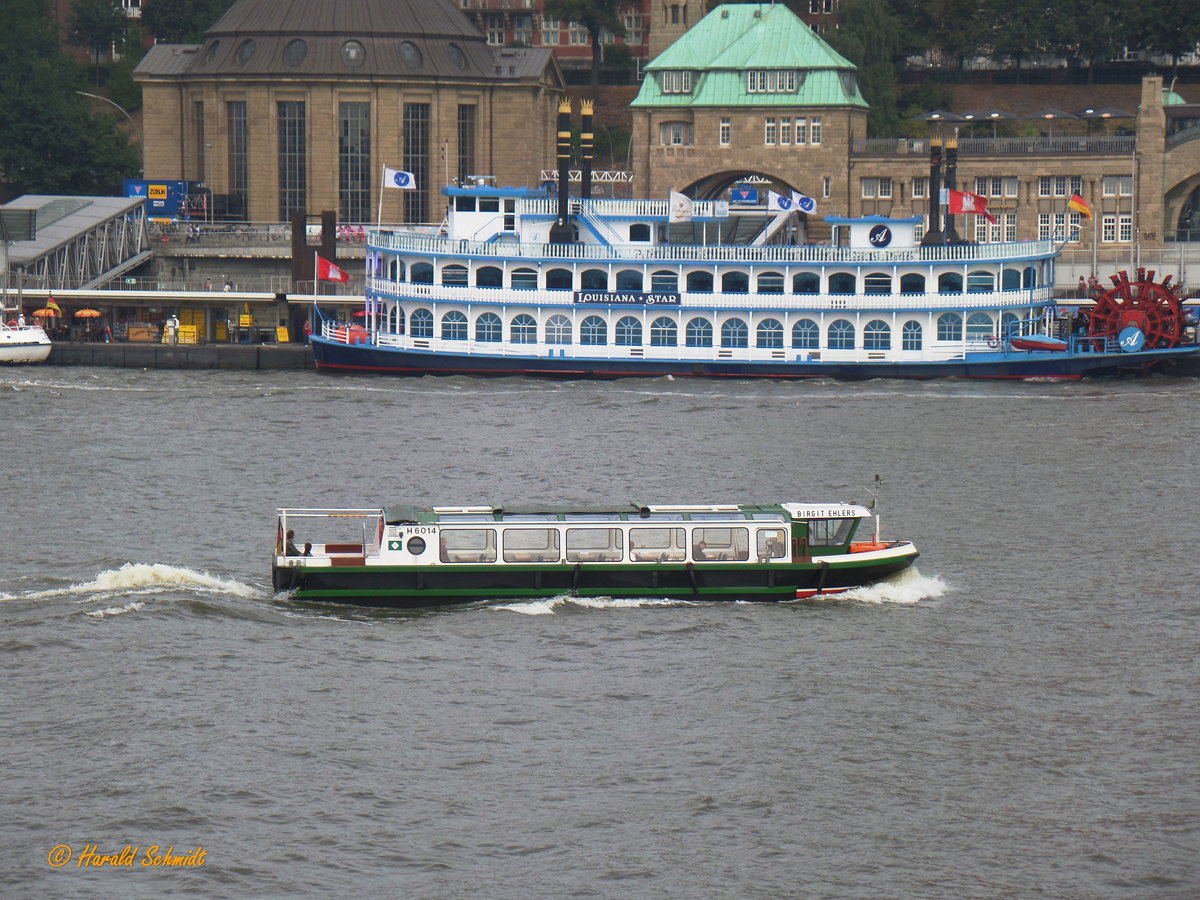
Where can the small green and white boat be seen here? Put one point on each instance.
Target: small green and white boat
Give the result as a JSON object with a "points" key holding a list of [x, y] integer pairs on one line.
{"points": [[406, 557]]}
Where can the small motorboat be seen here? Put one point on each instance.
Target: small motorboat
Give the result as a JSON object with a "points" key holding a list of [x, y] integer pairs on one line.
{"points": [[1037, 342]]}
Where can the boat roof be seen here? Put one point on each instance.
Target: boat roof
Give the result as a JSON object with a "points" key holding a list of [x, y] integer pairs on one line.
{"points": [[405, 514]]}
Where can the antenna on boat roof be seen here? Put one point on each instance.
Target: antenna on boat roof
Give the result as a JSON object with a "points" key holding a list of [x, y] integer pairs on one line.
{"points": [[874, 499]]}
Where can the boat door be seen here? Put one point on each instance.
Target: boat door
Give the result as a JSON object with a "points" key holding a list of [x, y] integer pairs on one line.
{"points": [[800, 542]]}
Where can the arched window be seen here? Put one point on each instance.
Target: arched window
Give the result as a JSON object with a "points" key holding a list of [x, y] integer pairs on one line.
{"points": [[842, 283], [593, 331], [980, 326], [421, 273], [912, 283], [489, 328], [877, 283], [1010, 323], [911, 335], [421, 321], [558, 330], [523, 279], [394, 320], [735, 283], [769, 333], [950, 283], [980, 280], [639, 232], [628, 332], [629, 280], [489, 276], [1010, 280], [698, 333], [593, 280], [806, 283], [806, 335], [664, 280], [877, 335], [950, 327], [735, 333], [700, 282], [770, 283], [454, 274], [523, 329], [454, 326], [558, 280], [664, 333], [395, 269], [1028, 278], [841, 335]]}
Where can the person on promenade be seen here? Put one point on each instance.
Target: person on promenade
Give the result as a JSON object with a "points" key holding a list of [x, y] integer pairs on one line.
{"points": [[173, 329]]}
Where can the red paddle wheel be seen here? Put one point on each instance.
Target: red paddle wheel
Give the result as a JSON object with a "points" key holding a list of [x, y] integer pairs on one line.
{"points": [[1151, 306]]}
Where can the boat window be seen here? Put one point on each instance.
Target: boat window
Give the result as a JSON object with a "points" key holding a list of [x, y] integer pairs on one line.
{"points": [[770, 283], [1010, 323], [661, 517], [950, 283], [454, 326], [593, 331], [877, 335], [806, 335], [841, 335], [396, 269], [980, 325], [628, 332], [465, 517], [467, 545], [1028, 279], [531, 545], [394, 320], [523, 330], [421, 321], [735, 283], [700, 282], [595, 544], [769, 333], [454, 275], [421, 273], [830, 532], [416, 545], [949, 327], [911, 336], [639, 232], [980, 281], [489, 328], [593, 280], [524, 280], [464, 204], [734, 333], [489, 276], [558, 280], [912, 283], [877, 283], [664, 333], [664, 280], [531, 517], [720, 543], [699, 333], [660, 544], [806, 283], [1011, 279], [771, 543], [489, 204], [591, 517], [558, 330], [629, 280], [842, 283]]}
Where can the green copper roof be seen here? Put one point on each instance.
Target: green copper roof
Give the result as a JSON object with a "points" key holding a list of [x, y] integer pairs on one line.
{"points": [[735, 39]]}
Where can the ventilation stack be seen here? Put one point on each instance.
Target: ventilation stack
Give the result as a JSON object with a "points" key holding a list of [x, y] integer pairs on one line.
{"points": [[560, 231]]}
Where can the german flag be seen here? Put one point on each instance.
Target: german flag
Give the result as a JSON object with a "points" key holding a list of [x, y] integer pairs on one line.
{"points": [[52, 304], [1080, 206]]}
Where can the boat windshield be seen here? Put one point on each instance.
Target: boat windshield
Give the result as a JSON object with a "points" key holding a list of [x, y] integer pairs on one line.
{"points": [[830, 532]]}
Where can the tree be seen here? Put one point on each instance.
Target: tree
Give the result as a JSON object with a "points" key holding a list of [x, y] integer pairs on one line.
{"points": [[96, 25], [123, 90], [869, 36], [594, 15], [1171, 27], [182, 21]]}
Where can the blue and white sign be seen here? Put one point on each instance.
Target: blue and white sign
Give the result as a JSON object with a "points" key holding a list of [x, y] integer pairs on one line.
{"points": [[743, 195], [629, 298], [1131, 339], [880, 236]]}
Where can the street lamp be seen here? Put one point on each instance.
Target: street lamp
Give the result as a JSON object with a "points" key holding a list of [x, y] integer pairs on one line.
{"points": [[124, 112]]}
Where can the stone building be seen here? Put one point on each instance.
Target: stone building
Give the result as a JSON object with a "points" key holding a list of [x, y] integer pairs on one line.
{"points": [[298, 107]]}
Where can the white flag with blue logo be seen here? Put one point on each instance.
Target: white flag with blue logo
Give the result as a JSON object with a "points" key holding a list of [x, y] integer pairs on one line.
{"points": [[398, 178], [803, 202], [680, 208], [778, 202]]}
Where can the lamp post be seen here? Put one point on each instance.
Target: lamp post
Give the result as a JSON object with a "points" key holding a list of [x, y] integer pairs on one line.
{"points": [[124, 112]]}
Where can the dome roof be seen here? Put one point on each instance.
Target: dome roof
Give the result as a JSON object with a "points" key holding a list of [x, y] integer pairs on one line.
{"points": [[359, 38]]}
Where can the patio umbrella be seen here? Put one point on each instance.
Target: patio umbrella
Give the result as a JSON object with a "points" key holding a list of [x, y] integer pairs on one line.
{"points": [[360, 313], [1051, 114], [1104, 112], [87, 313], [46, 313], [939, 115], [992, 115]]}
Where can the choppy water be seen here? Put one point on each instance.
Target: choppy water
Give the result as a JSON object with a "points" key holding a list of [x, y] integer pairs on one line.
{"points": [[1017, 719]]}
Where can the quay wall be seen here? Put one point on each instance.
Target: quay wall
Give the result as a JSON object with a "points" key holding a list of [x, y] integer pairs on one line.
{"points": [[176, 356]]}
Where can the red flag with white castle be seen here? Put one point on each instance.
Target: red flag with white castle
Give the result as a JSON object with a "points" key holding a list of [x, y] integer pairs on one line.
{"points": [[327, 271], [966, 202]]}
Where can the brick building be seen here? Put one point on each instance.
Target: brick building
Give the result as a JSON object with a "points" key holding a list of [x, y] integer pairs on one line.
{"points": [[291, 108]]}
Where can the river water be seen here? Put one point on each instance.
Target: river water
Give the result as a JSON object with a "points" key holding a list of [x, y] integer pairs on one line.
{"points": [[1017, 719]]}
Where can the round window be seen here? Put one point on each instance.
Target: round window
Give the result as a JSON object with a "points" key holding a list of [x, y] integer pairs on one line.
{"points": [[353, 53], [294, 52], [457, 56], [416, 546], [245, 51], [410, 55]]}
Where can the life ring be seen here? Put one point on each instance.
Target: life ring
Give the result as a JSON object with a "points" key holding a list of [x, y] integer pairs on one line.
{"points": [[993, 342], [12, 323]]}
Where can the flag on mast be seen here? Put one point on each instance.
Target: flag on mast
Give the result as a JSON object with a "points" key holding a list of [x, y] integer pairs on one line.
{"points": [[1080, 206], [681, 208], [966, 202], [327, 271], [778, 202], [398, 178], [803, 202]]}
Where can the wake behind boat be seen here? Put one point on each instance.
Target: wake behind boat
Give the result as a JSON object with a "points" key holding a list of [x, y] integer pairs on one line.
{"points": [[406, 556]]}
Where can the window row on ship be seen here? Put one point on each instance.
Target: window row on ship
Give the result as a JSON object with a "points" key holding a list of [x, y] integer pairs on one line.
{"points": [[704, 281], [697, 331]]}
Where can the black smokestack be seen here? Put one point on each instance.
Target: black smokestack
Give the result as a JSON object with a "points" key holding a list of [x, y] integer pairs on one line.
{"points": [[952, 236], [586, 144], [934, 234], [560, 231]]}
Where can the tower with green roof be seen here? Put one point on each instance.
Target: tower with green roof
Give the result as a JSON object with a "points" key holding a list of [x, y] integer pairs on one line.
{"points": [[750, 89]]}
